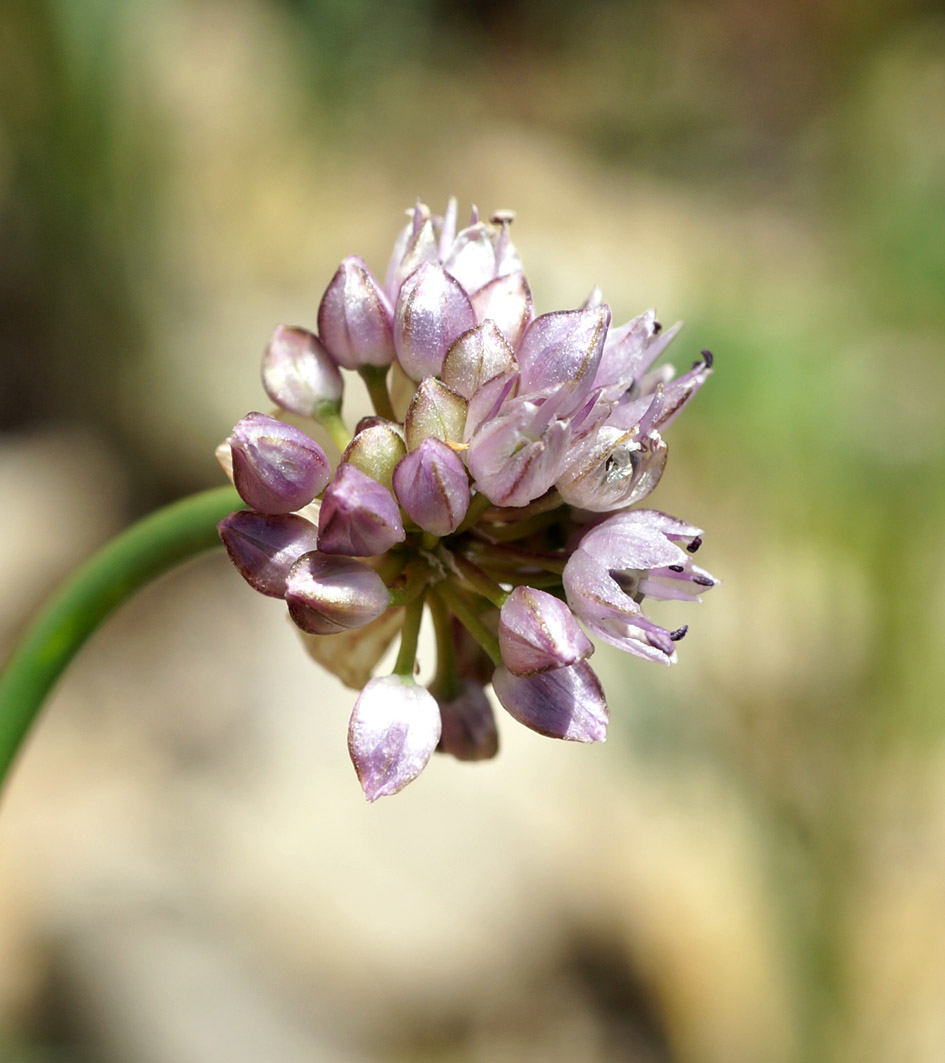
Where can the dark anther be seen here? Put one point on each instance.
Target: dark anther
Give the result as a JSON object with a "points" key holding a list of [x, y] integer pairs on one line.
{"points": [[657, 328], [708, 358], [675, 568], [679, 633], [695, 544], [703, 581]]}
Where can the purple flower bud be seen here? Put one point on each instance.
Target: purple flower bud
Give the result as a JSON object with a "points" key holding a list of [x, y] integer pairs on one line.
{"points": [[264, 548], [432, 486], [394, 730], [567, 703], [276, 468], [358, 516], [563, 350], [435, 410], [432, 310], [475, 358], [355, 318], [299, 374], [376, 449], [415, 245], [517, 456], [471, 259], [472, 661], [469, 731], [538, 633], [327, 594], [508, 302]]}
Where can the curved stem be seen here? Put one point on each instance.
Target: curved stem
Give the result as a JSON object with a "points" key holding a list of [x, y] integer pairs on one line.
{"points": [[135, 557]]}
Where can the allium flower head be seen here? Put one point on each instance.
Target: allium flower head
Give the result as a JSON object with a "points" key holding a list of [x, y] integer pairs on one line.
{"points": [[503, 503]]}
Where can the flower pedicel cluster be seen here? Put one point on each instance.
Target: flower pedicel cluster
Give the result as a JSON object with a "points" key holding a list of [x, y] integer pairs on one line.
{"points": [[501, 501]]}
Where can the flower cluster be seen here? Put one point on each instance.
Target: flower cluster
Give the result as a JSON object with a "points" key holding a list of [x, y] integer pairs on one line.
{"points": [[492, 487]]}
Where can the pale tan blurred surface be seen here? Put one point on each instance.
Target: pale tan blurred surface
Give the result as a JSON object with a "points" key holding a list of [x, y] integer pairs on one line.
{"points": [[750, 869]]}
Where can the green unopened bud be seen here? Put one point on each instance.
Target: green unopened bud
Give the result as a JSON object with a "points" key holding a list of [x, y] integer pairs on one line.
{"points": [[436, 410], [376, 448]]}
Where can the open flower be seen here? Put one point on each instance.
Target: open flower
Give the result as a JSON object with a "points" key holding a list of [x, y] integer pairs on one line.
{"points": [[501, 505]]}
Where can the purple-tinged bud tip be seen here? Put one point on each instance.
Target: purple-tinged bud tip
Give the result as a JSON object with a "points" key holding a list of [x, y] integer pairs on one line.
{"points": [[432, 486], [355, 318], [264, 548], [376, 449], [567, 703], [276, 468], [538, 633], [432, 310], [298, 373], [327, 594], [563, 349], [435, 410], [358, 516], [508, 302], [394, 729], [476, 357]]}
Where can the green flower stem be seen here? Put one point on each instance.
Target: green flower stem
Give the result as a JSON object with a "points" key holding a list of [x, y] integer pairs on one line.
{"points": [[520, 529], [477, 506], [478, 582], [466, 615], [549, 501], [329, 416], [375, 379], [446, 683], [410, 636], [135, 557], [495, 554]]}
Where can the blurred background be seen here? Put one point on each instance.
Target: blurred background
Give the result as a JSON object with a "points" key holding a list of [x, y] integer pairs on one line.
{"points": [[753, 867]]}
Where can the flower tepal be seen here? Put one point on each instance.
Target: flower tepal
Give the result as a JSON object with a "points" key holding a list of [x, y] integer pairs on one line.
{"points": [[505, 504]]}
